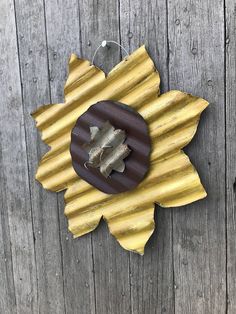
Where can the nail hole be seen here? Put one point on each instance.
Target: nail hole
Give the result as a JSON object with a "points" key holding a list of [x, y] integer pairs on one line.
{"points": [[177, 22]]}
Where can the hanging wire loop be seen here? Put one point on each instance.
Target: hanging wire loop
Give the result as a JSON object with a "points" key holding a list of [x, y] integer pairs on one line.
{"points": [[105, 43]]}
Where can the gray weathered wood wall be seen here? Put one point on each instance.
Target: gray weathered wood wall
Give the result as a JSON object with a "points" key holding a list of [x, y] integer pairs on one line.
{"points": [[190, 262]]}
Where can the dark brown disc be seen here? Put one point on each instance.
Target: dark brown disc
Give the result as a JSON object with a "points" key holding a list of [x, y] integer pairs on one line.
{"points": [[138, 140]]}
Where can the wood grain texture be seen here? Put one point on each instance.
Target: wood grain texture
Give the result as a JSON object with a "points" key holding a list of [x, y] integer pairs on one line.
{"points": [[230, 80], [196, 64], [36, 89], [16, 214], [187, 269]]}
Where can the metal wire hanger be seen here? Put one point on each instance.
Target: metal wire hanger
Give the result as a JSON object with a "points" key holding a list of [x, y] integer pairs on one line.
{"points": [[105, 44]]}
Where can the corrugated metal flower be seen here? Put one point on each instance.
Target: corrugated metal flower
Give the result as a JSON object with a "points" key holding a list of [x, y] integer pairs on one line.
{"points": [[172, 119]]}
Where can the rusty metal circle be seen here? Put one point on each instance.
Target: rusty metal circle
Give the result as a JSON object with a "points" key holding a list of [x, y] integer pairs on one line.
{"points": [[138, 140]]}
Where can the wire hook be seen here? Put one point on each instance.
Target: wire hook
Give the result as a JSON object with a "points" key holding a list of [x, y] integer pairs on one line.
{"points": [[105, 44]]}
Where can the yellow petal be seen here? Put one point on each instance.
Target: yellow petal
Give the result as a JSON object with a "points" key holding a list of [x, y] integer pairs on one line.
{"points": [[173, 119], [172, 181], [132, 230]]}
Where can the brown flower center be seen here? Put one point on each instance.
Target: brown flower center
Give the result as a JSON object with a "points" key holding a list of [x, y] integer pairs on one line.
{"points": [[110, 147]]}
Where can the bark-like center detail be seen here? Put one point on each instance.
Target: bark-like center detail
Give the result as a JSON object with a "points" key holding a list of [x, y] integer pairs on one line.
{"points": [[106, 149]]}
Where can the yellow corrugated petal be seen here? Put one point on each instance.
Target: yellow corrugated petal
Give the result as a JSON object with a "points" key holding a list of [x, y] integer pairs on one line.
{"points": [[172, 118], [133, 229], [172, 181]]}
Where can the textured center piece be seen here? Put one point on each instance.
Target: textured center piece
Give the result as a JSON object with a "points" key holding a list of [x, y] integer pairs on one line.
{"points": [[106, 149], [110, 147]]}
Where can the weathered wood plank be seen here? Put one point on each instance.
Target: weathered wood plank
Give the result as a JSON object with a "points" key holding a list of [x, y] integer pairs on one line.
{"points": [[100, 21], [14, 174], [144, 22], [63, 35], [35, 84], [7, 289], [196, 42], [230, 42]]}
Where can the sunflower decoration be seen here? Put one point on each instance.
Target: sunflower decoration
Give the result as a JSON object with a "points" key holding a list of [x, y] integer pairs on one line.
{"points": [[116, 148]]}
